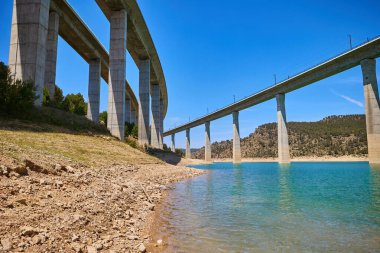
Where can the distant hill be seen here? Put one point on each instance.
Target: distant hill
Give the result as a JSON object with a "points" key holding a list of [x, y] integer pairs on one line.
{"points": [[331, 136]]}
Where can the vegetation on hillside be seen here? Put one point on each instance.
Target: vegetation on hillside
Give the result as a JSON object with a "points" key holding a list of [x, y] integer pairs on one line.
{"points": [[331, 136], [15, 96]]}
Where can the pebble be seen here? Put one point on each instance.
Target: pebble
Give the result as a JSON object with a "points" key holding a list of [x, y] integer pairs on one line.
{"points": [[142, 248], [6, 243], [91, 249]]}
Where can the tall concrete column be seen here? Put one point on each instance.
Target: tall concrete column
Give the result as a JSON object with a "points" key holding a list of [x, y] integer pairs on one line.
{"points": [[372, 109], [161, 124], [51, 53], [144, 94], [128, 110], [236, 152], [173, 143], [282, 130], [116, 88], [155, 127], [27, 52], [207, 142], [94, 90], [188, 151]]}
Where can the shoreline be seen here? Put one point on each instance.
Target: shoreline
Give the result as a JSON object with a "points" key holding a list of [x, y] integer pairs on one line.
{"points": [[186, 162]]}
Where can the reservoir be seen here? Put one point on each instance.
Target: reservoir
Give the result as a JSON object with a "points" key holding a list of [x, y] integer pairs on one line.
{"points": [[267, 207]]}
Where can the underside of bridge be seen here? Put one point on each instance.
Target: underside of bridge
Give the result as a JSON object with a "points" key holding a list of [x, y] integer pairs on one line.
{"points": [[36, 25]]}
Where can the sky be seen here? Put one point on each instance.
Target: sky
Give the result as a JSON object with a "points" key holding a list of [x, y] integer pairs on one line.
{"points": [[215, 51]]}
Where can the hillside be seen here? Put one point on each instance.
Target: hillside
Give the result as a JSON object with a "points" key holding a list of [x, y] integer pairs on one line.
{"points": [[331, 136]]}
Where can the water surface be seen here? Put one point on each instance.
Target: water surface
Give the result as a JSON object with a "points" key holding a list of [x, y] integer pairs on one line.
{"points": [[263, 207]]}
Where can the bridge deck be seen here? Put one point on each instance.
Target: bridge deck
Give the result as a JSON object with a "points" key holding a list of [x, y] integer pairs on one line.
{"points": [[79, 36], [340, 63]]}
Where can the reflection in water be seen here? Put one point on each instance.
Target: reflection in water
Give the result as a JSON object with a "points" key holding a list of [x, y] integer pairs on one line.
{"points": [[285, 198], [304, 207]]}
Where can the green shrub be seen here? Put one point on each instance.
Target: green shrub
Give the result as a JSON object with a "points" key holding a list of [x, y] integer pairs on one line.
{"points": [[131, 142], [130, 130], [16, 96], [103, 117], [179, 152], [135, 131], [75, 103]]}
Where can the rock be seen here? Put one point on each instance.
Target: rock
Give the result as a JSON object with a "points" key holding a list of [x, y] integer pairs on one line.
{"points": [[21, 201], [6, 243], [29, 231], [159, 242], [142, 248], [75, 238], [14, 174], [91, 249], [4, 170], [21, 170], [58, 167], [98, 246], [68, 169], [32, 166], [36, 240], [77, 247], [58, 184], [150, 205], [133, 237]]}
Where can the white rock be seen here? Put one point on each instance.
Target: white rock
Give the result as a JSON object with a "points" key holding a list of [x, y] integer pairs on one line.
{"points": [[142, 248]]}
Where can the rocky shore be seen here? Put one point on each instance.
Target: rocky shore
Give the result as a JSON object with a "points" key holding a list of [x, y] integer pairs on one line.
{"points": [[64, 192], [74, 209]]}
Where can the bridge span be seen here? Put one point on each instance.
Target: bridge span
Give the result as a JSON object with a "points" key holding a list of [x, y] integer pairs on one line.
{"points": [[363, 55], [36, 25]]}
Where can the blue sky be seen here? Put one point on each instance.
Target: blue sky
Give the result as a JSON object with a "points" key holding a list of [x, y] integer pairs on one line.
{"points": [[214, 50]]}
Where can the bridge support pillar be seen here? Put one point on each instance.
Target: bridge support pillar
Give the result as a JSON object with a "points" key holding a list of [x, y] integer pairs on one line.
{"points": [[173, 143], [144, 103], [372, 109], [128, 110], [236, 152], [282, 130], [117, 65], [27, 50], [156, 118], [93, 90], [188, 151], [51, 53], [161, 124], [207, 142]]}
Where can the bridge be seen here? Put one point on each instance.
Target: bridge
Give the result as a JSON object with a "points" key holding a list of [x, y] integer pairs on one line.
{"points": [[363, 55], [36, 25]]}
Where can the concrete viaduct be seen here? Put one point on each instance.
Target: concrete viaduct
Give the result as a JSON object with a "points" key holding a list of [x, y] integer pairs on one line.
{"points": [[36, 25], [363, 55]]}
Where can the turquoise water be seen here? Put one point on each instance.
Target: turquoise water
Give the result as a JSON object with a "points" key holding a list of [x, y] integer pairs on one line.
{"points": [[263, 207]]}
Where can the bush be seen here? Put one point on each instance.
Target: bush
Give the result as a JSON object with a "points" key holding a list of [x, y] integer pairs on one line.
{"points": [[131, 130], [131, 142], [103, 118], [58, 97], [179, 152], [75, 103], [16, 96]]}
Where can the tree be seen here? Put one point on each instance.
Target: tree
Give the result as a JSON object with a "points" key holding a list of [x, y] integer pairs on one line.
{"points": [[16, 96], [75, 103], [58, 97]]}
